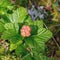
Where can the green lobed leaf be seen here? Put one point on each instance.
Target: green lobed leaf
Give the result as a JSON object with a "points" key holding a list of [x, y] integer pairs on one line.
{"points": [[38, 23], [18, 16], [42, 37], [11, 35], [15, 46], [9, 26], [12, 26]]}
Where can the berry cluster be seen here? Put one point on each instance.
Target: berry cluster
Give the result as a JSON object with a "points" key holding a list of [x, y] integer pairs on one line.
{"points": [[25, 31]]}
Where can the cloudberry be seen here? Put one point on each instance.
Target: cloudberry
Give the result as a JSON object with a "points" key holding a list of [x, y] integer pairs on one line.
{"points": [[25, 31]]}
